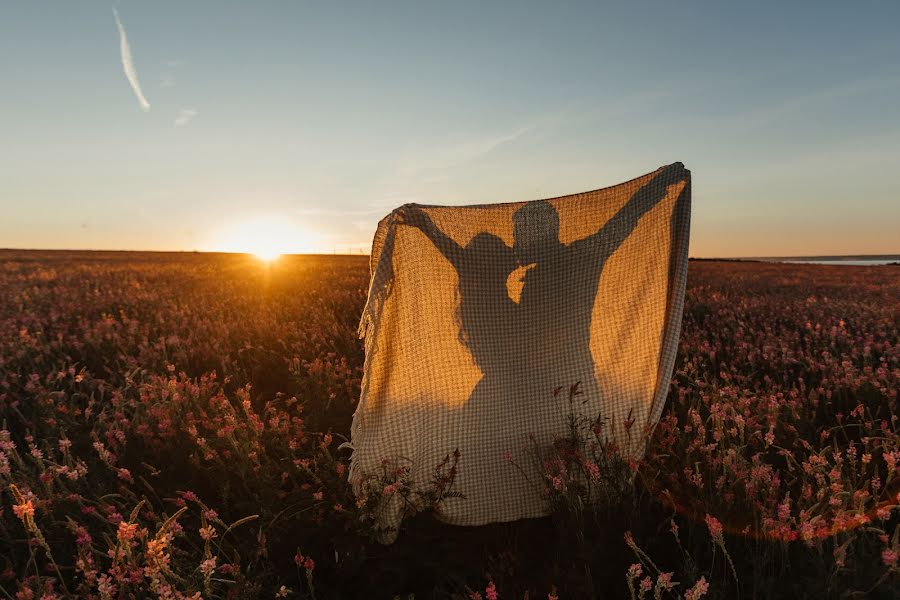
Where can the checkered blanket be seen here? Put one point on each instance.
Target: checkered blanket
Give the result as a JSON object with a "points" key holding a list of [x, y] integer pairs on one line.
{"points": [[476, 314]]}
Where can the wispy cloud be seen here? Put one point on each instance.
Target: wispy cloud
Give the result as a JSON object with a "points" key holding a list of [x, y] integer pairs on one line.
{"points": [[478, 147], [185, 115], [458, 150], [128, 64]]}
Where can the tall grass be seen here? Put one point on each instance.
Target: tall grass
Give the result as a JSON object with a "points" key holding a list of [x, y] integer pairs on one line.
{"points": [[171, 428]]}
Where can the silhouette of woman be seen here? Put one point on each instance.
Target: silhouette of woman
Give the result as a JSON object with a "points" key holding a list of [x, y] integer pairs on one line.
{"points": [[485, 312]]}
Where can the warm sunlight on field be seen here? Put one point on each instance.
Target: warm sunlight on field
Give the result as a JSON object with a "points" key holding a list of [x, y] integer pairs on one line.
{"points": [[157, 409]]}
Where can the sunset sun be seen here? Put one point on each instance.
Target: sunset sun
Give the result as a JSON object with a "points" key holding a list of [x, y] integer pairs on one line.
{"points": [[267, 237]]}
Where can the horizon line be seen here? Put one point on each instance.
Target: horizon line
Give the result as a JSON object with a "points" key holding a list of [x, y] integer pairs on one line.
{"points": [[834, 257]]}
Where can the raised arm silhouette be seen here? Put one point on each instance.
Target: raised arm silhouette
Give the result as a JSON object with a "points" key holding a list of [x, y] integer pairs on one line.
{"points": [[485, 310], [609, 237]]}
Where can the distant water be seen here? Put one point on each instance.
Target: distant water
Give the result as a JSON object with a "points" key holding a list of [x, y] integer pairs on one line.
{"points": [[857, 263]]}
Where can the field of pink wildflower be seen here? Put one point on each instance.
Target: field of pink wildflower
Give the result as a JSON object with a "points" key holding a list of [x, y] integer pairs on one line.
{"points": [[171, 423]]}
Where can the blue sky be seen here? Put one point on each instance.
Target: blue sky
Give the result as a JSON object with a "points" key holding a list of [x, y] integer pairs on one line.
{"points": [[322, 117]]}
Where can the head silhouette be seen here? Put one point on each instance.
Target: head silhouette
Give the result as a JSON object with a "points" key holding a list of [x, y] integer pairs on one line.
{"points": [[487, 243], [494, 260], [535, 229]]}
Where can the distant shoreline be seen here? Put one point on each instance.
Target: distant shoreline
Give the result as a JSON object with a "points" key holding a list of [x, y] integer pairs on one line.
{"points": [[836, 258], [841, 261]]}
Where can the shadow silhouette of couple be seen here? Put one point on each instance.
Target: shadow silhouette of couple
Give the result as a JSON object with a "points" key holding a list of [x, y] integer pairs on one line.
{"points": [[525, 343], [541, 338]]}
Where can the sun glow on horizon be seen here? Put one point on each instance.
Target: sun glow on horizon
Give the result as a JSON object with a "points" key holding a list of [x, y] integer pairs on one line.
{"points": [[267, 255], [267, 237]]}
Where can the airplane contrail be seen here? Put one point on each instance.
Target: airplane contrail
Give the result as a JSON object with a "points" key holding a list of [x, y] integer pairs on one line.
{"points": [[128, 64]]}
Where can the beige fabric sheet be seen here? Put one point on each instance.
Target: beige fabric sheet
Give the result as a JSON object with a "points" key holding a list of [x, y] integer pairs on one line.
{"points": [[477, 313]]}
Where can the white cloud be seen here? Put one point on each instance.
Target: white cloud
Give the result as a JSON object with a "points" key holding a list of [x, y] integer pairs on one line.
{"points": [[185, 115], [128, 64]]}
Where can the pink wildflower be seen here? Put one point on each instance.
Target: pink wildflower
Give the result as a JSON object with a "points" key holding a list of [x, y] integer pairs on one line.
{"points": [[126, 532], [698, 591], [105, 586], [664, 581], [24, 511], [304, 561], [490, 592], [25, 594], [715, 527], [784, 510], [208, 566]]}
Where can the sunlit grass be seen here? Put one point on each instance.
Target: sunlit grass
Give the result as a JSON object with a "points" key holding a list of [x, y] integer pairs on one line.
{"points": [[182, 431]]}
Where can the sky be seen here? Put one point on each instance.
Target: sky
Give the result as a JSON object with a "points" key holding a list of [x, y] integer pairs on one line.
{"points": [[204, 125]]}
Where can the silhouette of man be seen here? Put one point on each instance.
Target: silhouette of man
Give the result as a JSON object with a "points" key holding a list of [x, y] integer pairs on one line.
{"points": [[557, 299]]}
